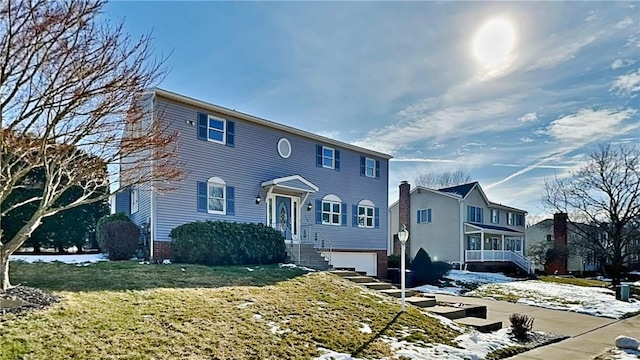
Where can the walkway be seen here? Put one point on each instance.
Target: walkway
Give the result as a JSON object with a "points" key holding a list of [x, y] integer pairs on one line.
{"points": [[590, 335]]}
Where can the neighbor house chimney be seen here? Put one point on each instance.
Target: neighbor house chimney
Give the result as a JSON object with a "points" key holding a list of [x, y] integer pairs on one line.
{"points": [[559, 264], [404, 210]]}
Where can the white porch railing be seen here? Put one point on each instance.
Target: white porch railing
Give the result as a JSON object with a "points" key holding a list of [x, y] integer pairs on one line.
{"points": [[311, 235], [499, 255]]}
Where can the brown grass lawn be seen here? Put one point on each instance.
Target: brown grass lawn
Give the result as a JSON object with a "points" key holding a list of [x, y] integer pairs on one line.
{"points": [[125, 310]]}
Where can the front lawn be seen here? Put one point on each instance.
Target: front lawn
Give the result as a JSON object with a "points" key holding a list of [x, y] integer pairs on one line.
{"points": [[573, 281], [131, 311]]}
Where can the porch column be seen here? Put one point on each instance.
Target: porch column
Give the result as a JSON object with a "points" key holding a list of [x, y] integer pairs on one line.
{"points": [[482, 246], [504, 248]]}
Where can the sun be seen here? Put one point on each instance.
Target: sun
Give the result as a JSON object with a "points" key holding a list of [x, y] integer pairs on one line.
{"points": [[494, 42]]}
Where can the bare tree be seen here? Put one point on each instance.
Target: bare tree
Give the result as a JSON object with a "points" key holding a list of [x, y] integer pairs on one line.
{"points": [[444, 179], [603, 199], [71, 100]]}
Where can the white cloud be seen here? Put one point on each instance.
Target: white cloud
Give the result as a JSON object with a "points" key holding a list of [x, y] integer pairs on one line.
{"points": [[593, 16], [626, 84], [620, 63], [563, 53], [526, 139], [589, 125], [624, 23], [532, 116]]}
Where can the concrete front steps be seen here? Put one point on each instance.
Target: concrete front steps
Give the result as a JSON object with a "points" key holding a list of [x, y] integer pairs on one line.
{"points": [[309, 257], [474, 316]]}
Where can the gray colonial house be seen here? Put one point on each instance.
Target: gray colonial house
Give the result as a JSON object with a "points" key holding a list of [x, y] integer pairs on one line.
{"points": [[460, 225], [241, 168]]}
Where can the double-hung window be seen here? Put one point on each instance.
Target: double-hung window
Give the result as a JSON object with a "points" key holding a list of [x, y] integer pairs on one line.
{"points": [[495, 216], [511, 218], [519, 220], [216, 129], [331, 212], [474, 214], [328, 157], [134, 200], [424, 216], [215, 197], [370, 168], [365, 216]]}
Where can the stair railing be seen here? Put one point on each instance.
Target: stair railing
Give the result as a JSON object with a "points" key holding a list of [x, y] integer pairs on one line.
{"points": [[290, 245], [311, 235]]}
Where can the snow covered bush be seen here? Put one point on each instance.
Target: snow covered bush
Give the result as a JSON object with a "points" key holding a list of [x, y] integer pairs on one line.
{"points": [[120, 239]]}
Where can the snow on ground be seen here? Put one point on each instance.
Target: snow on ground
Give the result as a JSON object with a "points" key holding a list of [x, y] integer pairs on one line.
{"points": [[620, 354], [474, 346], [461, 277], [587, 300], [294, 266], [67, 259]]}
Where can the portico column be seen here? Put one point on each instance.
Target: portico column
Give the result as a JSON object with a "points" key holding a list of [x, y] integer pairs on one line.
{"points": [[482, 246]]}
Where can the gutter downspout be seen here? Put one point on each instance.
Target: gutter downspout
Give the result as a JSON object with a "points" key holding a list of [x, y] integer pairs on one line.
{"points": [[461, 232], [152, 227]]}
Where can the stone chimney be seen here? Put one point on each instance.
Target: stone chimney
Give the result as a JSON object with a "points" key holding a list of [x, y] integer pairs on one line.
{"points": [[559, 264], [404, 210]]}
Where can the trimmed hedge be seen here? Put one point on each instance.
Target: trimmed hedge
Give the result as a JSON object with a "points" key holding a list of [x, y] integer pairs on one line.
{"points": [[120, 239], [105, 220], [226, 243]]}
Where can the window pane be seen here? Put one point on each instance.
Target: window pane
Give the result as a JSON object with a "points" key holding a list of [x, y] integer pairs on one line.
{"points": [[328, 162], [369, 172], [215, 135], [370, 211], [336, 208], [325, 217], [326, 206], [371, 163], [361, 210], [327, 152], [369, 222], [336, 219], [216, 191], [361, 220], [215, 204], [216, 124]]}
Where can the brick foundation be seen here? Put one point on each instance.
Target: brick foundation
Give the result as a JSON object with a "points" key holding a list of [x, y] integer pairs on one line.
{"points": [[382, 264], [161, 250]]}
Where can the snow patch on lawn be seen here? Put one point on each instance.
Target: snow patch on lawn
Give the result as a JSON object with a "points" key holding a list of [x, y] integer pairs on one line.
{"points": [[67, 259], [365, 328], [474, 345], [460, 277], [581, 299], [294, 266]]}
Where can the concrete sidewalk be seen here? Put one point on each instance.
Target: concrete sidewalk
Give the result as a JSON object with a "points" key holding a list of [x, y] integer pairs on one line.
{"points": [[590, 335]]}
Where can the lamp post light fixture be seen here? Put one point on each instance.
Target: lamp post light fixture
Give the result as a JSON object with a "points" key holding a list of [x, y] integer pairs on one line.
{"points": [[309, 206], [403, 236]]}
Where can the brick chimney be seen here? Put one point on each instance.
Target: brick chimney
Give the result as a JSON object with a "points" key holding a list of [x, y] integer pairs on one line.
{"points": [[404, 211], [559, 265]]}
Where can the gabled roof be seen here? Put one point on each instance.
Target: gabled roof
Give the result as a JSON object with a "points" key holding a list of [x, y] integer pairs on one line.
{"points": [[260, 121], [461, 190], [293, 182], [492, 227]]}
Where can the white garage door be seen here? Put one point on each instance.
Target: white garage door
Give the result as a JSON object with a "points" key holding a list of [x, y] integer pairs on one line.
{"points": [[360, 261]]}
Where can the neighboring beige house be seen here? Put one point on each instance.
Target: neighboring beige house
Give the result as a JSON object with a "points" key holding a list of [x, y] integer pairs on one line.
{"points": [[460, 225], [549, 230]]}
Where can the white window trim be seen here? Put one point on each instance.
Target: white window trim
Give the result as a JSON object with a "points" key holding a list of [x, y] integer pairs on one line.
{"points": [[333, 157], [511, 218], [332, 213], [134, 201], [218, 182], [426, 219], [224, 131], [366, 204], [366, 166], [280, 142]]}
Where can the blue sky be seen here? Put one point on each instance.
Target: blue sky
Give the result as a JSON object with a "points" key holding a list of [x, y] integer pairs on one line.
{"points": [[415, 80]]}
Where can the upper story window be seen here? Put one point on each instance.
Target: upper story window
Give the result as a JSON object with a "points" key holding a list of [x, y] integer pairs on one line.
{"points": [[424, 216], [519, 219], [216, 197], [495, 216], [284, 148], [369, 167], [215, 129], [327, 157], [511, 218], [332, 211], [474, 214], [134, 200]]}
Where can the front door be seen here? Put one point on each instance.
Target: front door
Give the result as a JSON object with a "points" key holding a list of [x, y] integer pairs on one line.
{"points": [[284, 215]]}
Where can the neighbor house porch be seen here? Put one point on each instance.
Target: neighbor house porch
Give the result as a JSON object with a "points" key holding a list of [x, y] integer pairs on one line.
{"points": [[489, 243]]}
